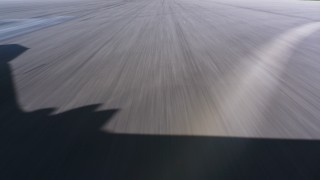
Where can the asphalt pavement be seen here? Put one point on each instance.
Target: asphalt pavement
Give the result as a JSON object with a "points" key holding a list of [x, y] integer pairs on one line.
{"points": [[160, 89]]}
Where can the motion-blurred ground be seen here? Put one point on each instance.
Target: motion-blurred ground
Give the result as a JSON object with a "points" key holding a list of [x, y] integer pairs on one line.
{"points": [[163, 67]]}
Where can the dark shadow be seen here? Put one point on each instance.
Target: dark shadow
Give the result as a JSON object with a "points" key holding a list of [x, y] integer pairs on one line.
{"points": [[41, 146], [37, 144], [7, 93]]}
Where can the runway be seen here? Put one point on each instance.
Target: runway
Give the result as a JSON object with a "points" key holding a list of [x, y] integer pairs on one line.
{"points": [[160, 89]]}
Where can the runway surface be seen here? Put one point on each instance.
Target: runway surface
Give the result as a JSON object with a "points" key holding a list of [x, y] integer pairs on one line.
{"points": [[160, 89]]}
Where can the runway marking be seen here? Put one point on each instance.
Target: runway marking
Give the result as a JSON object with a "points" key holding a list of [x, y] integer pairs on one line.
{"points": [[245, 99], [14, 27]]}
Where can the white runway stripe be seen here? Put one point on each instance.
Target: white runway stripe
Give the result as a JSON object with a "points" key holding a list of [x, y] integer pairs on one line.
{"points": [[246, 96], [23, 26]]}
